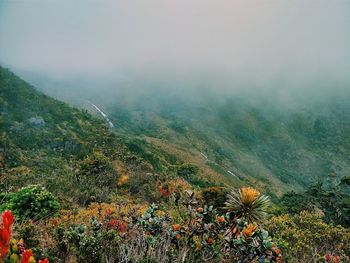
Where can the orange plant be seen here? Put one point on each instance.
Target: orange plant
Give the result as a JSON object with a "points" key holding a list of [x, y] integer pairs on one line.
{"points": [[248, 195], [176, 227], [249, 230]]}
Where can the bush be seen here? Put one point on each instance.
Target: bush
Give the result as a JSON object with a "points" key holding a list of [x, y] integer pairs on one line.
{"points": [[215, 196], [187, 171], [305, 237], [95, 178], [333, 202], [153, 235], [32, 202]]}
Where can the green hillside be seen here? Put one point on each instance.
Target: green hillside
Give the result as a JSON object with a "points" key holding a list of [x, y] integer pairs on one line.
{"points": [[161, 186], [252, 138], [67, 150], [48, 142], [260, 140]]}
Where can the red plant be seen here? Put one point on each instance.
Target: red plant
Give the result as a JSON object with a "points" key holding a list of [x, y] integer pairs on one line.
{"points": [[113, 223], [7, 219], [4, 242], [122, 227], [220, 219], [277, 254], [329, 258], [336, 259], [5, 232], [119, 225], [164, 192], [200, 210], [210, 241], [46, 260], [27, 256], [249, 230], [108, 212]]}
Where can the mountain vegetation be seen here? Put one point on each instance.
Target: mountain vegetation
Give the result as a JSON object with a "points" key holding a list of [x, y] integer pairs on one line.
{"points": [[277, 143], [215, 181]]}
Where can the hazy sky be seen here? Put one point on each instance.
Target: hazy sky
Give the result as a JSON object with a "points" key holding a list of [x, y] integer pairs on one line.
{"points": [[250, 38]]}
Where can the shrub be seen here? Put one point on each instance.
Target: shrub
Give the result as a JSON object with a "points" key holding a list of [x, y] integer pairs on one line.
{"points": [[305, 237], [86, 242], [152, 234], [33, 202], [333, 202], [215, 196], [190, 173], [95, 178], [187, 171]]}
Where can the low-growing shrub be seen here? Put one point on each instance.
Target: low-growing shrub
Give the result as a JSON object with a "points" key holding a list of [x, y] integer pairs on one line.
{"points": [[95, 178], [32, 202], [215, 196], [305, 237]]}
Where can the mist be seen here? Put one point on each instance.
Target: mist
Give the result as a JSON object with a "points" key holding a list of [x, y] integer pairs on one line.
{"points": [[89, 47]]}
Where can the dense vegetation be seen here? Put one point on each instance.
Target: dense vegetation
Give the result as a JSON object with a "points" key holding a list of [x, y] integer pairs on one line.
{"points": [[46, 141], [332, 202], [74, 191], [279, 143]]}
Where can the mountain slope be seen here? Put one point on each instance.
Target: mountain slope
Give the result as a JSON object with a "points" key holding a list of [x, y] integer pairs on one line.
{"points": [[76, 155], [261, 142], [254, 138], [67, 150]]}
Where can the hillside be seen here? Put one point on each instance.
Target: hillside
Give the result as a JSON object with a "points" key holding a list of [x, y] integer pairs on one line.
{"points": [[207, 140], [151, 189], [261, 141], [274, 140], [179, 131], [47, 142], [67, 150]]}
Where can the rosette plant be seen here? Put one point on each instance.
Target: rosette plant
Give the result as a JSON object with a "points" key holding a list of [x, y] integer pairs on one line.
{"points": [[247, 203]]}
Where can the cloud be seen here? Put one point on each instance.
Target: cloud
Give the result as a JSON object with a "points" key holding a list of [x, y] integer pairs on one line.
{"points": [[254, 40]]}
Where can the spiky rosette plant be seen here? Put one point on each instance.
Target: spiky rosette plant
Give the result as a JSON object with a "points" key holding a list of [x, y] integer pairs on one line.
{"points": [[248, 203]]}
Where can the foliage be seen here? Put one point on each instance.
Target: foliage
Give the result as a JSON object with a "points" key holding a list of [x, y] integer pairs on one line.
{"points": [[249, 204], [214, 196], [144, 183], [11, 250], [333, 202], [305, 237], [77, 158], [281, 145], [86, 245], [187, 171], [95, 170], [190, 173], [64, 152], [152, 222], [32, 202], [153, 235]]}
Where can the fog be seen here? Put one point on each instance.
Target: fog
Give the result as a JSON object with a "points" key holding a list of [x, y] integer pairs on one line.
{"points": [[219, 44]]}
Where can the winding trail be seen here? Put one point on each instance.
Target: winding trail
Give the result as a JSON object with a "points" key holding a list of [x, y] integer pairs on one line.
{"points": [[111, 125], [104, 115]]}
